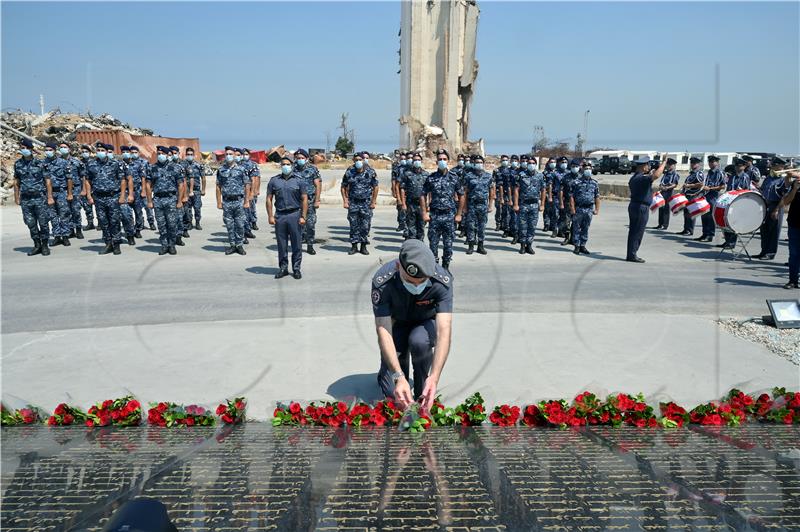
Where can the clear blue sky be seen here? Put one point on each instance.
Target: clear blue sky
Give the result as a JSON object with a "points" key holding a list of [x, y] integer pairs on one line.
{"points": [[264, 73]]}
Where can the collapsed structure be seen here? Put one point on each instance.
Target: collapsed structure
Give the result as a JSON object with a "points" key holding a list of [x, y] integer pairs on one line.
{"points": [[438, 70]]}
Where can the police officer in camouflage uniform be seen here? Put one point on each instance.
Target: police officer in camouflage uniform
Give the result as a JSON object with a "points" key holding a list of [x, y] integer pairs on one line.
{"points": [[412, 183], [179, 167], [529, 196], [565, 195], [56, 170], [312, 180], [106, 186], [74, 171], [32, 191], [359, 192], [399, 167], [548, 213], [498, 175], [584, 201], [233, 197], [253, 172], [560, 209], [164, 186], [438, 203], [462, 170], [126, 210], [479, 190], [197, 188], [85, 158], [138, 168], [513, 216]]}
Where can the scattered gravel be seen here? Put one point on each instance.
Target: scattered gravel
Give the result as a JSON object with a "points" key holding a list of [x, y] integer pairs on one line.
{"points": [[784, 342]]}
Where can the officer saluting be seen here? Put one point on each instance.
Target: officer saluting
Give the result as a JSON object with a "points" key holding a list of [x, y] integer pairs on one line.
{"points": [[412, 300], [641, 186]]}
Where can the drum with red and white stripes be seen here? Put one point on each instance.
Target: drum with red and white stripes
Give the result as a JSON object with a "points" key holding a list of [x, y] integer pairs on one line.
{"points": [[698, 207], [677, 203], [657, 202], [740, 211]]}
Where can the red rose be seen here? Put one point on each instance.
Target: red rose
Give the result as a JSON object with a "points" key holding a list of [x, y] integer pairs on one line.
{"points": [[221, 409], [162, 407], [60, 409], [227, 419], [107, 403], [341, 406], [68, 419], [190, 421], [639, 407], [295, 408], [239, 405], [788, 418], [89, 423], [52, 420]]}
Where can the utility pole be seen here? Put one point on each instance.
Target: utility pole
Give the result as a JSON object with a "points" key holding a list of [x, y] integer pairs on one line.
{"points": [[327, 143], [41, 104], [585, 126]]}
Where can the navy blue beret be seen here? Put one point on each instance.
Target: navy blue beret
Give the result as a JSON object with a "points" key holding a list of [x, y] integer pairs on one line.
{"points": [[162, 149], [52, 145], [231, 148], [124, 148], [133, 148], [515, 157], [27, 143], [175, 148], [109, 147], [365, 154], [301, 151], [695, 160]]}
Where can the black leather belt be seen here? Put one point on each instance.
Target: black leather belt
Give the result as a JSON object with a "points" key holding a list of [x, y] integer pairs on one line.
{"points": [[530, 202], [102, 194], [165, 194], [287, 211], [232, 198], [30, 196], [58, 189]]}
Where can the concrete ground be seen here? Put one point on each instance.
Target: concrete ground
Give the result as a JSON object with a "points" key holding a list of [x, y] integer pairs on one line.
{"points": [[202, 326]]}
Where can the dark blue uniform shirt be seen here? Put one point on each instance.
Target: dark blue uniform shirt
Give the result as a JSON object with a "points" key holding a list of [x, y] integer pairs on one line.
{"points": [[391, 299], [287, 191]]}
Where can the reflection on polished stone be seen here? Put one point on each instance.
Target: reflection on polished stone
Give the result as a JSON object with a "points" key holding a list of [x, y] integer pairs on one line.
{"points": [[255, 476]]}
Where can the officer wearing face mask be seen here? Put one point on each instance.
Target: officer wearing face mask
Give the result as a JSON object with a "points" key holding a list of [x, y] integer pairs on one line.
{"points": [[33, 192], [565, 196], [529, 197], [439, 207], [549, 175], [692, 189], [74, 171], [412, 300], [126, 210], [479, 191], [739, 180], [288, 191], [56, 170], [137, 170], [179, 166], [584, 202], [498, 175], [669, 180], [233, 197], [411, 186], [197, 188], [106, 186], [359, 192], [641, 194], [252, 170], [559, 208], [86, 158], [399, 167], [313, 183], [163, 186]]}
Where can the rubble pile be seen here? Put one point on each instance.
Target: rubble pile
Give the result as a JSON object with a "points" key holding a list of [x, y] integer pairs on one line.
{"points": [[53, 126]]}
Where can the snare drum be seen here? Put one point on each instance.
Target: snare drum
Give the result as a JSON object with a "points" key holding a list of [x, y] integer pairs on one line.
{"points": [[740, 211], [698, 207], [677, 203], [657, 202]]}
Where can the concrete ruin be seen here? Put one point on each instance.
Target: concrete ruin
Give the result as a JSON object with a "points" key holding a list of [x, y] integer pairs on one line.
{"points": [[437, 74]]}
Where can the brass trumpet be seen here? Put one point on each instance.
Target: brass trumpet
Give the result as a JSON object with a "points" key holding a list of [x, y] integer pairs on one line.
{"points": [[787, 170]]}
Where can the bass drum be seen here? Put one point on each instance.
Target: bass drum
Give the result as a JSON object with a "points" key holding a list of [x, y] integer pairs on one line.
{"points": [[740, 211]]}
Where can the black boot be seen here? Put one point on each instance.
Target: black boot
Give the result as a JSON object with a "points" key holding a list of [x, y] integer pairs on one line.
{"points": [[185, 233], [565, 241], [152, 226], [231, 250], [249, 234], [116, 251], [45, 248], [79, 234], [72, 233], [522, 249], [577, 250], [164, 250], [198, 226], [90, 225], [353, 249], [131, 241], [363, 249], [446, 264], [56, 241], [481, 249], [138, 234], [65, 241], [106, 250], [310, 249], [179, 242], [514, 240], [281, 274], [254, 226], [240, 250], [529, 249], [172, 250], [471, 248], [37, 248], [584, 250]]}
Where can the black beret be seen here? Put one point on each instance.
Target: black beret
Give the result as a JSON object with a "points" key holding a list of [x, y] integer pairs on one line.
{"points": [[575, 162], [162, 149], [357, 154], [532, 159], [477, 158], [27, 143], [286, 158], [52, 145], [99, 144], [174, 148], [133, 148], [365, 153], [713, 158], [562, 159], [730, 169], [188, 149], [670, 160], [109, 147], [748, 158], [504, 156], [85, 147], [523, 157], [739, 161], [231, 148], [587, 162], [442, 151], [695, 160], [301, 151], [124, 148], [515, 157], [778, 160]]}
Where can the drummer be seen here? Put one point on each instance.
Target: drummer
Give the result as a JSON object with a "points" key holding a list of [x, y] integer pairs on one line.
{"points": [[641, 186], [714, 184], [668, 183], [692, 189], [740, 180], [773, 188], [792, 200]]}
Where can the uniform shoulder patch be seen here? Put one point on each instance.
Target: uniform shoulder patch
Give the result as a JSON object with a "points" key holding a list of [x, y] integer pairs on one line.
{"points": [[376, 296], [443, 276]]}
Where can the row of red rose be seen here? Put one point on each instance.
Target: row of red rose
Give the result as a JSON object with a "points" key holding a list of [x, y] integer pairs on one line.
{"points": [[585, 409]]}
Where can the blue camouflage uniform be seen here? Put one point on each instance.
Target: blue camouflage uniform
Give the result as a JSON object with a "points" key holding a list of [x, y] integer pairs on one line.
{"points": [[75, 171], [694, 177], [165, 180], [397, 176], [179, 167], [359, 197], [137, 169], [57, 171], [253, 173], [194, 171], [412, 182], [477, 185], [548, 215], [106, 177], [232, 180], [513, 217], [773, 188], [88, 209], [443, 187], [33, 197], [584, 191], [559, 210], [715, 178], [668, 178], [567, 180], [126, 209], [497, 178], [309, 174], [530, 185]]}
